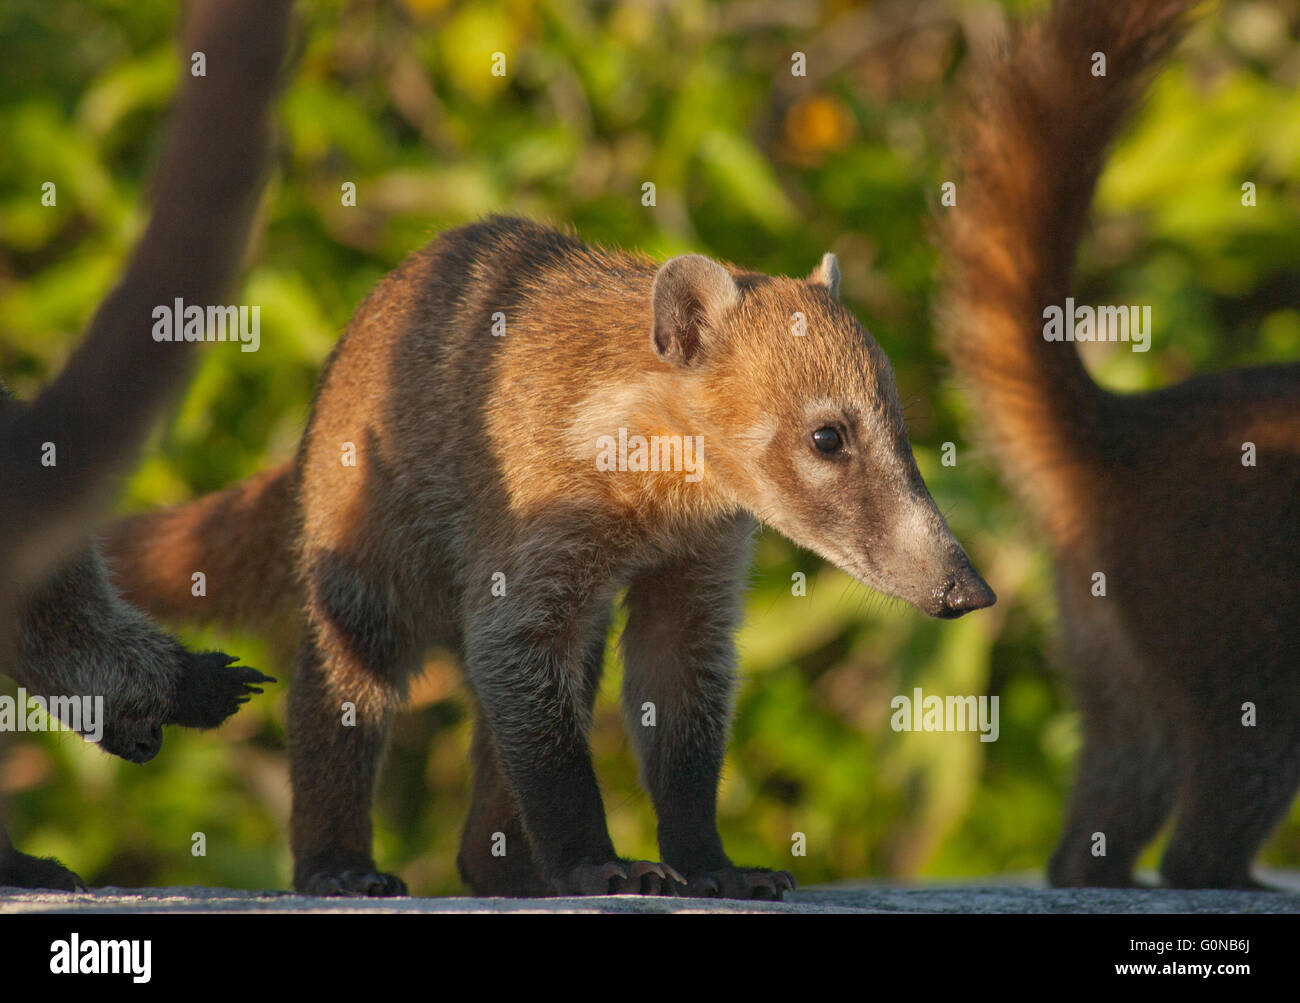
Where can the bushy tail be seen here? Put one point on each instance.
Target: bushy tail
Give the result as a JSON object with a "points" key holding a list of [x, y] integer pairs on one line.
{"points": [[1031, 142], [241, 539]]}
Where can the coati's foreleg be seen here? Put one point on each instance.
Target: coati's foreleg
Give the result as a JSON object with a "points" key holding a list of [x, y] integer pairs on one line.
{"points": [[1236, 784], [525, 657], [79, 638], [505, 865], [679, 669]]}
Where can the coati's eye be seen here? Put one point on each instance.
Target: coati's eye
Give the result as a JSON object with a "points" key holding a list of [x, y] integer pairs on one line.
{"points": [[827, 440]]}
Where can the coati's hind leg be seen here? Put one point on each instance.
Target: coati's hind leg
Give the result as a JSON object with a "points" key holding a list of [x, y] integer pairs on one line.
{"points": [[1123, 792], [495, 856], [353, 667], [1236, 785], [680, 663], [1127, 770], [504, 865]]}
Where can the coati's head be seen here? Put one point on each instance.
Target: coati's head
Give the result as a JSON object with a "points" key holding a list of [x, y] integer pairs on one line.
{"points": [[803, 427]]}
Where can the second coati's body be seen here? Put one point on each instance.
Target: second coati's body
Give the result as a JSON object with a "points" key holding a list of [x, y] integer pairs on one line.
{"points": [[480, 388], [1188, 667]]}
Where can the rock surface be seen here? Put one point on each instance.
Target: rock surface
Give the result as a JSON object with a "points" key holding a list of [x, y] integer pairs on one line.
{"points": [[996, 895]]}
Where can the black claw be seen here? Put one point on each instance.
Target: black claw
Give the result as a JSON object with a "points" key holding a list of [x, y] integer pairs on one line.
{"points": [[211, 687], [742, 883], [354, 884]]}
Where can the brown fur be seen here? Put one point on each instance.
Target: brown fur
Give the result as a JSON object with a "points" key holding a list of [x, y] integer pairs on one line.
{"points": [[1200, 553], [236, 537], [478, 455]]}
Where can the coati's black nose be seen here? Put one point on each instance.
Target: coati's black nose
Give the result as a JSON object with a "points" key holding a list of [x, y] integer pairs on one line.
{"points": [[963, 593], [146, 747]]}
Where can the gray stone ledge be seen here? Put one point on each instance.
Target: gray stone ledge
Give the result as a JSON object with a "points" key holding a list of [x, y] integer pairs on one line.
{"points": [[1003, 894]]}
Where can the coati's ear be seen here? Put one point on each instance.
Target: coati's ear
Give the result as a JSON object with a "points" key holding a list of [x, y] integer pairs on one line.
{"points": [[690, 296], [827, 274]]}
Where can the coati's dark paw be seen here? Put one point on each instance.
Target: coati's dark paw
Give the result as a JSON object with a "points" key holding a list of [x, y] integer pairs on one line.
{"points": [[621, 877], [21, 871], [354, 884], [134, 741], [1194, 878], [210, 688], [741, 883]]}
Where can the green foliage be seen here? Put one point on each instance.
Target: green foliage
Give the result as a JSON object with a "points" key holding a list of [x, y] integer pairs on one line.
{"points": [[750, 164]]}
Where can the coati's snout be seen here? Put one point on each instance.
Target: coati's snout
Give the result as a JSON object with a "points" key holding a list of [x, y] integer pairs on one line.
{"points": [[804, 427], [880, 524], [964, 592], [917, 556]]}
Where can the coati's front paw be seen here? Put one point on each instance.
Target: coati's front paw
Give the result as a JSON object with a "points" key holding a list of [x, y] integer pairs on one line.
{"points": [[336, 871], [18, 870], [621, 877], [354, 884], [135, 741], [210, 688], [741, 883]]}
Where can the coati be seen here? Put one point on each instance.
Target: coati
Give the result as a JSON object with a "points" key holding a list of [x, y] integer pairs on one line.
{"points": [[64, 631], [475, 475], [1199, 629]]}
